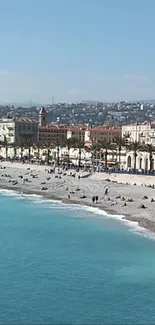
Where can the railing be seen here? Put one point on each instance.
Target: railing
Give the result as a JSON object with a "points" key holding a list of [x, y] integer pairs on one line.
{"points": [[95, 169], [131, 171]]}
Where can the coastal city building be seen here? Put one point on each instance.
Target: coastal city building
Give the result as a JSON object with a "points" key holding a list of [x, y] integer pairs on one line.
{"points": [[142, 161], [18, 130], [52, 133], [25, 131], [78, 132], [89, 113], [144, 132], [105, 132]]}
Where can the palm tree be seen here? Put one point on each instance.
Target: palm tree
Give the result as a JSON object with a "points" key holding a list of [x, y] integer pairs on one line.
{"points": [[105, 146], [80, 146], [5, 144], [28, 145], [22, 146], [58, 143], [120, 143], [70, 143], [134, 146], [37, 146], [94, 148], [48, 146], [48, 154], [150, 148], [15, 147]]}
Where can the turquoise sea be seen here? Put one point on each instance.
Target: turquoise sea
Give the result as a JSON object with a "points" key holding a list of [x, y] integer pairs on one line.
{"points": [[62, 264]]}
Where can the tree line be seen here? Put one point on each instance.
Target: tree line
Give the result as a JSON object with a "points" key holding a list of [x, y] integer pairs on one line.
{"points": [[96, 148]]}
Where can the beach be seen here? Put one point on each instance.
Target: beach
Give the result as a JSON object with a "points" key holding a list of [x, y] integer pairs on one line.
{"points": [[118, 194]]}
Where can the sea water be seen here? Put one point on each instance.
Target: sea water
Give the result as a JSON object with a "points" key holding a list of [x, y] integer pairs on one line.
{"points": [[64, 264]]}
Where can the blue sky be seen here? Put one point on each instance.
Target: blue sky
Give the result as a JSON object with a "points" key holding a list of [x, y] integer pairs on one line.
{"points": [[77, 50]]}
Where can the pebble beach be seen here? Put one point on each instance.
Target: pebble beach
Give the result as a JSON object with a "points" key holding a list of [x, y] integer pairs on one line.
{"points": [[132, 196]]}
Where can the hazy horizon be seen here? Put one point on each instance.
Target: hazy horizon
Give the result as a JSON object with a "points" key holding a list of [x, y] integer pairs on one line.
{"points": [[27, 104]]}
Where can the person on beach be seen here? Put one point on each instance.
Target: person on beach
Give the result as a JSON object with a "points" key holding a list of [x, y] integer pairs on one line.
{"points": [[106, 191], [96, 199], [142, 206], [93, 199], [69, 196]]}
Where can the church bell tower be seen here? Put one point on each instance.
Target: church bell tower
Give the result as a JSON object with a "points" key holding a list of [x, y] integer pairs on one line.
{"points": [[42, 117]]}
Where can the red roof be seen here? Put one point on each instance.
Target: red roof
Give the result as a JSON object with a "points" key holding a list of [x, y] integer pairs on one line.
{"points": [[53, 127], [106, 129]]}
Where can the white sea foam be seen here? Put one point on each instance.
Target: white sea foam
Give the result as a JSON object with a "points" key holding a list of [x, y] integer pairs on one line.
{"points": [[8, 192], [40, 200], [94, 210], [133, 226], [29, 196], [18, 195], [32, 195]]}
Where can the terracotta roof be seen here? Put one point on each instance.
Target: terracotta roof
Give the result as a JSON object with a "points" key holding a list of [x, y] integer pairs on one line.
{"points": [[78, 128], [24, 120], [53, 127], [103, 129]]}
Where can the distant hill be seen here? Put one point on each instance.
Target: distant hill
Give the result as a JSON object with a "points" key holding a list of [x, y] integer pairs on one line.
{"points": [[26, 104]]}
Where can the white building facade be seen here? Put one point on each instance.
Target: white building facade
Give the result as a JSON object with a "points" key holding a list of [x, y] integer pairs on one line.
{"points": [[82, 134], [140, 132], [19, 131]]}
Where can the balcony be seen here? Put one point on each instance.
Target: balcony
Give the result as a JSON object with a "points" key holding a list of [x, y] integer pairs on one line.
{"points": [[26, 133], [10, 128]]}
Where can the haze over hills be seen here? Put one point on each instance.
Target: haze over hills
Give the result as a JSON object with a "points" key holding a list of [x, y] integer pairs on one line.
{"points": [[91, 102], [151, 101], [86, 113], [21, 104]]}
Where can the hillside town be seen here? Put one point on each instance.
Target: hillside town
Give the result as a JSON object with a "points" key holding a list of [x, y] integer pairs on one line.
{"points": [[87, 113], [48, 135]]}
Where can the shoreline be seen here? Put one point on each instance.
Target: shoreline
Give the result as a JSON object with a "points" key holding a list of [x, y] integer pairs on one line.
{"points": [[143, 222], [61, 186]]}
